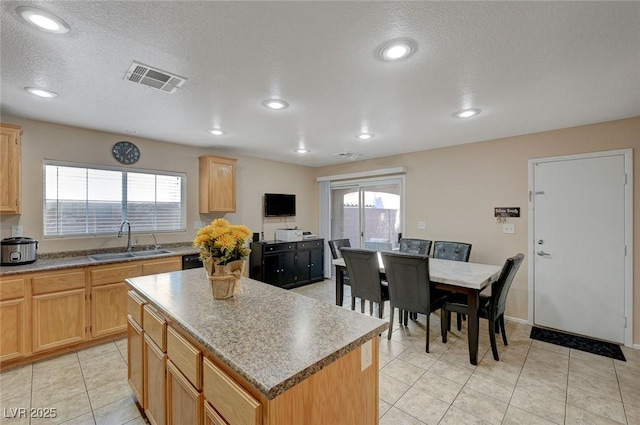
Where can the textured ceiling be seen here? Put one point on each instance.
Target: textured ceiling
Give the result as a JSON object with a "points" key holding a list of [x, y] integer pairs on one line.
{"points": [[530, 66]]}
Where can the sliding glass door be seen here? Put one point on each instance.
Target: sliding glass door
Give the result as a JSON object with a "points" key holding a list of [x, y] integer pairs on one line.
{"points": [[368, 212]]}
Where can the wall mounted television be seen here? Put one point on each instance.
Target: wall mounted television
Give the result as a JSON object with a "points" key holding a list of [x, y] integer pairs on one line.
{"points": [[279, 205]]}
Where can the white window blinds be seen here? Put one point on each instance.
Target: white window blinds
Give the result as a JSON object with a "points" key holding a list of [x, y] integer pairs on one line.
{"points": [[82, 200]]}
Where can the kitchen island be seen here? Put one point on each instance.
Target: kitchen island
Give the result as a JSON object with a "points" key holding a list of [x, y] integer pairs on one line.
{"points": [[266, 356]]}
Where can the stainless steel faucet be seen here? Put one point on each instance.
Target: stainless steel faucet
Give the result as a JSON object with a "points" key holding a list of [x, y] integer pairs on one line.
{"points": [[129, 248]]}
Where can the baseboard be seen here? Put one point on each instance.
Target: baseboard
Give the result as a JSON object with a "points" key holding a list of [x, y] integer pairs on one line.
{"points": [[636, 346], [517, 320]]}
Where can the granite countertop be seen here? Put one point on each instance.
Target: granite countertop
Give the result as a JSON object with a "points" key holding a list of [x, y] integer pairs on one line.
{"points": [[271, 337], [68, 259]]}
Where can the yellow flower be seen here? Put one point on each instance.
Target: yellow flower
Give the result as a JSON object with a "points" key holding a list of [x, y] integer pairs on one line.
{"points": [[223, 240]]}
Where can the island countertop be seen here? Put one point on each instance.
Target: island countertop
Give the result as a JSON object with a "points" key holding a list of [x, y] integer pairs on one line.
{"points": [[271, 337]]}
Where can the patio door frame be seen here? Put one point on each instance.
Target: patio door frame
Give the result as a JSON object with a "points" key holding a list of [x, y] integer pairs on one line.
{"points": [[367, 178]]}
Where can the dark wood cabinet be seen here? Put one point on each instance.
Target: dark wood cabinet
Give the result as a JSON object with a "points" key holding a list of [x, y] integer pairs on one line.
{"points": [[287, 264]]}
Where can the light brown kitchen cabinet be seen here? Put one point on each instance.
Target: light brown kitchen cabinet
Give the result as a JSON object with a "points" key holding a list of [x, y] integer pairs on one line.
{"points": [[135, 347], [58, 309], [211, 417], [13, 318], [217, 184], [109, 297], [161, 265], [10, 169], [184, 402], [155, 364]]}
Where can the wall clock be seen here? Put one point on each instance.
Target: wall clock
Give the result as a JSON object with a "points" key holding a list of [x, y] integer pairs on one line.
{"points": [[126, 152]]}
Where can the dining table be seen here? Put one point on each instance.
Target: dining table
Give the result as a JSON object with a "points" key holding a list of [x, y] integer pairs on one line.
{"points": [[454, 276]]}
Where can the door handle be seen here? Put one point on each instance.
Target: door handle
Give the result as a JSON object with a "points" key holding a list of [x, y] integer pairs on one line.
{"points": [[542, 253]]}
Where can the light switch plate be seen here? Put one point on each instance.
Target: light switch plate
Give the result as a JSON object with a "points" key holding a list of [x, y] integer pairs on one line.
{"points": [[16, 231], [366, 355], [508, 228], [422, 225]]}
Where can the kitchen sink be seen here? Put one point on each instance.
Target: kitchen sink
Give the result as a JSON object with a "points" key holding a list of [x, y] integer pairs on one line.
{"points": [[122, 255], [149, 252], [111, 256]]}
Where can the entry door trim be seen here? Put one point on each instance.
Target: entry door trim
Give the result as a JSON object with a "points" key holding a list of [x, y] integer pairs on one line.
{"points": [[628, 232]]}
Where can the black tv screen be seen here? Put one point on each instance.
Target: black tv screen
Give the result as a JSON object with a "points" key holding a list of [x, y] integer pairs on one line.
{"points": [[279, 205]]}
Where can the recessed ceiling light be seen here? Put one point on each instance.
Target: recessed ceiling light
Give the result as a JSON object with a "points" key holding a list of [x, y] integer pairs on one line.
{"points": [[302, 150], [275, 104], [398, 49], [43, 20], [467, 113], [216, 132], [40, 92], [365, 136]]}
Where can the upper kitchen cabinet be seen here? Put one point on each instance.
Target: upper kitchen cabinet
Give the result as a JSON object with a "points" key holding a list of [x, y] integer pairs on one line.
{"points": [[217, 184], [10, 174]]}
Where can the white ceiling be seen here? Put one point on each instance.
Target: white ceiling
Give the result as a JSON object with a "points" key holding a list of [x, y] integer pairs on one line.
{"points": [[530, 67]]}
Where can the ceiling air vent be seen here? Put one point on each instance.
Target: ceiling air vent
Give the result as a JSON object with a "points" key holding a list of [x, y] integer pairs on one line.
{"points": [[153, 77], [348, 155]]}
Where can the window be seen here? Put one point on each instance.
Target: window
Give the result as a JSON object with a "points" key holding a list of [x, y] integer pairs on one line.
{"points": [[85, 200]]}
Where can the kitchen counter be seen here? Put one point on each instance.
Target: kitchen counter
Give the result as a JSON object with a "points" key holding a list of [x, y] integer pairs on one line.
{"points": [[272, 338], [63, 260]]}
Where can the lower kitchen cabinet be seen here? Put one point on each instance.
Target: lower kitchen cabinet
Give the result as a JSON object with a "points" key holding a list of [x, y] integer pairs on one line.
{"points": [[13, 319], [155, 364], [184, 402], [108, 309], [287, 264], [58, 310], [135, 354], [211, 417]]}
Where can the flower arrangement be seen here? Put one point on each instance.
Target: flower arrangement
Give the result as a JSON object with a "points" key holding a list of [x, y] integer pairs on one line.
{"points": [[223, 241]]}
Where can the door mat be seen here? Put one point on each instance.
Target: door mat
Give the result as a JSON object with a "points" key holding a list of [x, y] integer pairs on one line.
{"points": [[581, 343]]}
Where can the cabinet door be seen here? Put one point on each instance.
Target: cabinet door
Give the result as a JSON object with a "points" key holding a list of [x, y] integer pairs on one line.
{"points": [[316, 264], [135, 354], [271, 269], [217, 180], [184, 402], [13, 317], [211, 417], [108, 309], [155, 363], [58, 319], [303, 261], [10, 173], [162, 265], [287, 268]]}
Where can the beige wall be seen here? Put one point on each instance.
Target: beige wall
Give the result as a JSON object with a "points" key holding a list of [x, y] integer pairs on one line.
{"points": [[254, 178], [455, 189]]}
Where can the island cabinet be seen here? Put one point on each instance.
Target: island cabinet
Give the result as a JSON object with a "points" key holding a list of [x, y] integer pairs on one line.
{"points": [[217, 180], [10, 169], [135, 346], [226, 365], [13, 318], [287, 264]]}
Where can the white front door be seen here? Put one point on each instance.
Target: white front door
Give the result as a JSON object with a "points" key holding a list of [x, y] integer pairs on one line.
{"points": [[579, 245]]}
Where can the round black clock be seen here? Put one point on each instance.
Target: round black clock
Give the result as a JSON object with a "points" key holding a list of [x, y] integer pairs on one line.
{"points": [[125, 152]]}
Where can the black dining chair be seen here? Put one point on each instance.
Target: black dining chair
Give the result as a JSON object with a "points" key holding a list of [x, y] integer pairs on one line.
{"points": [[336, 244], [455, 251], [489, 307], [365, 277], [415, 246], [410, 288]]}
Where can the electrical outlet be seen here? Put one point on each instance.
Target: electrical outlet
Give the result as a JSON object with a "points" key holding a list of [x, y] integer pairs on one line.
{"points": [[422, 225], [16, 231], [508, 228]]}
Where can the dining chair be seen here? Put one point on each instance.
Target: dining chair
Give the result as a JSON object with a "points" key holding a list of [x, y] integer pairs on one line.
{"points": [[410, 288], [490, 307], [415, 246], [336, 244], [455, 251], [366, 281]]}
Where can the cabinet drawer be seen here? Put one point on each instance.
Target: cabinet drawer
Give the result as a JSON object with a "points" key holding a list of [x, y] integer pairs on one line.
{"points": [[57, 282], [163, 265], [155, 327], [310, 244], [135, 306], [185, 356], [12, 289], [233, 402], [114, 274], [280, 247]]}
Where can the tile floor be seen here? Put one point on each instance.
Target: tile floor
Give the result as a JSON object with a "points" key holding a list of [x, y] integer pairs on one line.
{"points": [[533, 383]]}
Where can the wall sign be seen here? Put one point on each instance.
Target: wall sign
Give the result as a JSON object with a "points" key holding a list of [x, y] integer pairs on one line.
{"points": [[507, 211]]}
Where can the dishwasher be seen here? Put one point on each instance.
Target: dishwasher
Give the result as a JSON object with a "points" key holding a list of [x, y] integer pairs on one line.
{"points": [[191, 261]]}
